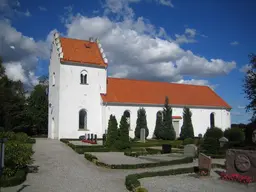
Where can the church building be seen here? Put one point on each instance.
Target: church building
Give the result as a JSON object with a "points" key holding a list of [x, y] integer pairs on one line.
{"points": [[82, 96]]}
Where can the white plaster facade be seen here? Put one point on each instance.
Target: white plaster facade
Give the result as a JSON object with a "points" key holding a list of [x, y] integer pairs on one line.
{"points": [[67, 96]]}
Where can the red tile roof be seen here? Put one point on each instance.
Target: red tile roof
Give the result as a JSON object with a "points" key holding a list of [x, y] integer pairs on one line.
{"points": [[81, 51], [147, 92]]}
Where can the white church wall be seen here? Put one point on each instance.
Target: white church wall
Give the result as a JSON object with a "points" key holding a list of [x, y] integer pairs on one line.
{"points": [[75, 96], [53, 94], [200, 117]]}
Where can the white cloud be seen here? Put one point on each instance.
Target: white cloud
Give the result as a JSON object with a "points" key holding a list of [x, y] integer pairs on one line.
{"points": [[197, 82], [187, 37], [245, 68], [236, 113], [8, 8], [240, 107], [234, 43], [20, 53], [135, 51], [165, 2], [41, 8]]}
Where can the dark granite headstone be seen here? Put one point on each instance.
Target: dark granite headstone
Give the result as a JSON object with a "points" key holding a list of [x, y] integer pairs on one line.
{"points": [[91, 137], [88, 138], [95, 138], [241, 161]]}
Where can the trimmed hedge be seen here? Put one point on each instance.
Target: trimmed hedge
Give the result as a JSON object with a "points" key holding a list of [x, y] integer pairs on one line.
{"points": [[147, 151], [153, 143], [95, 160], [132, 181], [19, 177]]}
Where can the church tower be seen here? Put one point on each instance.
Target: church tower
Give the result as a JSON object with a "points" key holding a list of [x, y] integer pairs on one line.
{"points": [[77, 78]]}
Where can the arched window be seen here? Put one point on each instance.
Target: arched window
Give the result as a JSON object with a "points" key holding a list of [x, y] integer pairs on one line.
{"points": [[159, 113], [53, 79], [83, 77], [128, 117], [212, 120], [82, 119]]}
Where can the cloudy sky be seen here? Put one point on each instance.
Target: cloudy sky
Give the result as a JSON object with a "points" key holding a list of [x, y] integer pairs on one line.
{"points": [[184, 41]]}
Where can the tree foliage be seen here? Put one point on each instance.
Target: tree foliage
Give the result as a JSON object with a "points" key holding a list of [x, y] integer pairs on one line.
{"points": [[112, 134], [141, 123], [167, 132], [250, 86], [18, 113], [159, 125], [187, 130], [123, 141]]}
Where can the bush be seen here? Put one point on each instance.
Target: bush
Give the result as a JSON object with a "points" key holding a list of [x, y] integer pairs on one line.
{"points": [[17, 156], [187, 130], [140, 189], [188, 141], [123, 141], [153, 143], [112, 131], [141, 123], [234, 134], [214, 133], [211, 145], [18, 178], [22, 137], [8, 135]]}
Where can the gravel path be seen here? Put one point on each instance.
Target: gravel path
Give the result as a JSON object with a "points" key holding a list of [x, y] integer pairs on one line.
{"points": [[61, 169], [188, 183], [118, 158]]}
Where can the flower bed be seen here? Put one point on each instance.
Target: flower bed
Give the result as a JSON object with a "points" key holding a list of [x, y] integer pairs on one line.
{"points": [[236, 177], [95, 160]]}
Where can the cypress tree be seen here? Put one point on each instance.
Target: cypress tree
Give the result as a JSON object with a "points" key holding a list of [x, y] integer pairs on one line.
{"points": [[168, 132], [187, 130], [159, 125], [124, 140], [141, 123], [112, 131]]}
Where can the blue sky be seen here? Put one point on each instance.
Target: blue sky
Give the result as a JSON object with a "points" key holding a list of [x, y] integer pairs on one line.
{"points": [[198, 42]]}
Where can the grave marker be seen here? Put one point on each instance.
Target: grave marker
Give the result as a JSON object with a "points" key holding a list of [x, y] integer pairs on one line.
{"points": [[204, 162], [143, 135]]}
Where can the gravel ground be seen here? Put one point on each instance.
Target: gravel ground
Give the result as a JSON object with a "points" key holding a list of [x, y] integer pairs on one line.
{"points": [[189, 183], [61, 169], [118, 158]]}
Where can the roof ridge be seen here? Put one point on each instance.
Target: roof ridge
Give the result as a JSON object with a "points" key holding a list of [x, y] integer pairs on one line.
{"points": [[150, 81]]}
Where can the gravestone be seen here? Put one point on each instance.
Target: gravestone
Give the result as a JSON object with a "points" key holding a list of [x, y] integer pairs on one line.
{"points": [[254, 136], [91, 137], [143, 135], [81, 137], [85, 136], [190, 150], [88, 138], [241, 161], [204, 162]]}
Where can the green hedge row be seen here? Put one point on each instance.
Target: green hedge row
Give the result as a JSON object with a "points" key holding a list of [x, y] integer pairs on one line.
{"points": [[19, 177], [147, 151], [132, 181], [153, 143], [95, 160]]}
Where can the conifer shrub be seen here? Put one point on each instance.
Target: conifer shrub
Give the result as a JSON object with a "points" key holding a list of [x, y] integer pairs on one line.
{"points": [[167, 132], [141, 123], [159, 125], [214, 132], [112, 134], [187, 130], [123, 141]]}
